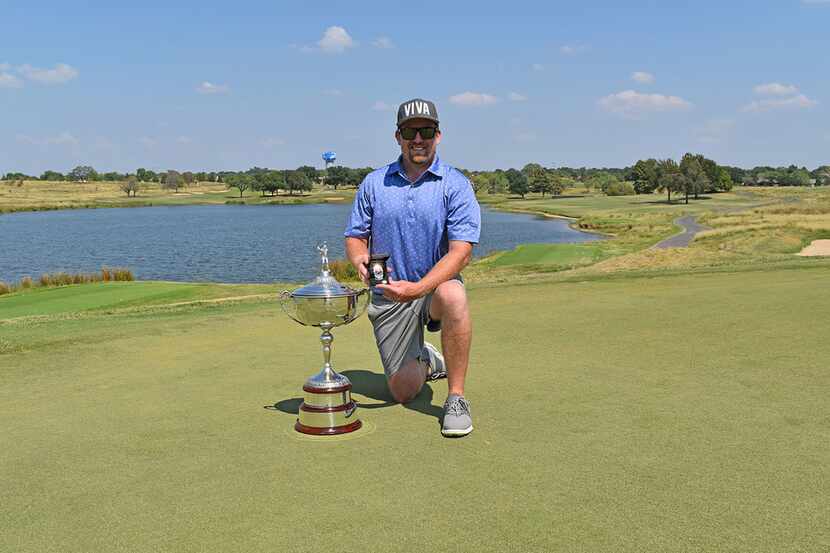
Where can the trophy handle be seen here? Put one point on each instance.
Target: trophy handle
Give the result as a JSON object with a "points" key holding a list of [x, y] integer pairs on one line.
{"points": [[289, 306], [359, 309]]}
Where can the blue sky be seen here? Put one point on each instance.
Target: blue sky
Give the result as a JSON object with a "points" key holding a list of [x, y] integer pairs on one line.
{"points": [[230, 85]]}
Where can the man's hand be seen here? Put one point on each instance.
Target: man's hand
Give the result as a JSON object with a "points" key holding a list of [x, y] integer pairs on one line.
{"points": [[402, 290], [362, 266]]}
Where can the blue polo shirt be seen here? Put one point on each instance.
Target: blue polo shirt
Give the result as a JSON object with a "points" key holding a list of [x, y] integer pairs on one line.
{"points": [[413, 222]]}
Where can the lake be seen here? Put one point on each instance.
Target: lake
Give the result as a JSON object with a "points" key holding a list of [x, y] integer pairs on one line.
{"points": [[227, 243]]}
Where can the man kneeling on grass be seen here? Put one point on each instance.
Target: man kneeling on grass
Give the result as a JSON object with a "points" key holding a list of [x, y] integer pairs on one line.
{"points": [[424, 214]]}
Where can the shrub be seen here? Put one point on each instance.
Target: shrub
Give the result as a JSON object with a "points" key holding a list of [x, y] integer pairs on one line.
{"points": [[122, 274], [620, 189], [63, 279], [343, 270], [4, 288]]}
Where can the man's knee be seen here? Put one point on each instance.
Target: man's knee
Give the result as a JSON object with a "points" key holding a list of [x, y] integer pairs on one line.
{"points": [[407, 381], [449, 299]]}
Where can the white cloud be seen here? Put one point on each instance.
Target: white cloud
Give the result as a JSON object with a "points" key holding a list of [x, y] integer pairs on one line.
{"points": [[775, 89], [63, 139], [7, 80], [642, 77], [333, 92], [272, 142], [572, 49], [147, 142], [795, 102], [516, 97], [60, 74], [537, 67], [473, 99], [632, 104], [383, 42], [184, 140], [210, 88], [380, 105], [335, 40]]}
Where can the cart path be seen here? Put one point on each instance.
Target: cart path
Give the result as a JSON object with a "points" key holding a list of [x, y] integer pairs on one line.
{"points": [[682, 240]]}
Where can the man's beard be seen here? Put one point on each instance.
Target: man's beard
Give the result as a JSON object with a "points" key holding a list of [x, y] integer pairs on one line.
{"points": [[421, 158]]}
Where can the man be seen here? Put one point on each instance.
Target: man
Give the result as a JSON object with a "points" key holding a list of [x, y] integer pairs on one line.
{"points": [[424, 214]]}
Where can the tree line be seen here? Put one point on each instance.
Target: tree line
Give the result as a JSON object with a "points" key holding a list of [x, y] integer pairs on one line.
{"points": [[260, 179], [693, 175]]}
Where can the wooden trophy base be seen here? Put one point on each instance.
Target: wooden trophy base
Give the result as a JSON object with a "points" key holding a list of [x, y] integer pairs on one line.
{"points": [[327, 411]]}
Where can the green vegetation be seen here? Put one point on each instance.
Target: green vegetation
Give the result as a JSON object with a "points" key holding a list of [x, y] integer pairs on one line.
{"points": [[32, 195], [109, 297], [106, 274], [549, 257], [750, 230], [615, 414]]}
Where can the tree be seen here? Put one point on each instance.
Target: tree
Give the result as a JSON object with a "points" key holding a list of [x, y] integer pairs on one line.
{"points": [[694, 179], [669, 177], [479, 182], [52, 176], [83, 173], [337, 175], [536, 178], [517, 182], [240, 181], [602, 180], [297, 180], [187, 177], [271, 182], [17, 176], [310, 172], [360, 174], [645, 175], [130, 185], [498, 183], [171, 180], [724, 182], [555, 184]]}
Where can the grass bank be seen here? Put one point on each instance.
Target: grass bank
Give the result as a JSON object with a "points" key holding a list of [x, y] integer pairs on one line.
{"points": [[682, 413], [750, 228], [44, 196]]}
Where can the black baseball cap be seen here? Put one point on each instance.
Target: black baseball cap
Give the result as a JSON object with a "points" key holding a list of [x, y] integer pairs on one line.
{"points": [[417, 109]]}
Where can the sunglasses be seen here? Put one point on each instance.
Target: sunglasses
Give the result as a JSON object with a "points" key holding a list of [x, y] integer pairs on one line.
{"points": [[427, 133]]}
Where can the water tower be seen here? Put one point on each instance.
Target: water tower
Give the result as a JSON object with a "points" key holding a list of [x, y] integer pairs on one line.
{"points": [[329, 158]]}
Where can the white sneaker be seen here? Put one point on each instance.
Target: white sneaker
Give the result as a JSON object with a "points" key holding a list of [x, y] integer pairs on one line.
{"points": [[437, 368]]}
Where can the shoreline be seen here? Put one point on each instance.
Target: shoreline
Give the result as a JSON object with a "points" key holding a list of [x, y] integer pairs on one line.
{"points": [[572, 220]]}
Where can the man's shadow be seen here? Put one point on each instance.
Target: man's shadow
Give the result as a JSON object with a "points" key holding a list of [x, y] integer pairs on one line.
{"points": [[373, 386]]}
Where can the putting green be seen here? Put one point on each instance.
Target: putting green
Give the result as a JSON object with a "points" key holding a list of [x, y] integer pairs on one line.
{"points": [[684, 413]]}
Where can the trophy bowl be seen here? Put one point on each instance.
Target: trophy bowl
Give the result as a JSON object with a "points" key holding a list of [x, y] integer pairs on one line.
{"points": [[324, 302], [327, 408]]}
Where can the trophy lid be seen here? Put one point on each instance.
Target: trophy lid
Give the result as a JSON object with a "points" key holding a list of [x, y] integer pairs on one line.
{"points": [[325, 285]]}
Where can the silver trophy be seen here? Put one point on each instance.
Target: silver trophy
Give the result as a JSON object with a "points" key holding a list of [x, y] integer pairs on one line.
{"points": [[327, 406]]}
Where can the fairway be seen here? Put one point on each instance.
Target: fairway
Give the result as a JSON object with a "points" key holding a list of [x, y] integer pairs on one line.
{"points": [[674, 413]]}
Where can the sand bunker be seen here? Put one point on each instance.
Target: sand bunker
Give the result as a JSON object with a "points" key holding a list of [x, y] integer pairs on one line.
{"points": [[817, 247]]}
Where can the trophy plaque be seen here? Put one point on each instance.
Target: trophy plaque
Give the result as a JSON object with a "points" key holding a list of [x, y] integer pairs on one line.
{"points": [[378, 270], [327, 407]]}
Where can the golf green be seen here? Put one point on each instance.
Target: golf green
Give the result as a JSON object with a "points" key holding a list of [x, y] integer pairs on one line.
{"points": [[683, 413]]}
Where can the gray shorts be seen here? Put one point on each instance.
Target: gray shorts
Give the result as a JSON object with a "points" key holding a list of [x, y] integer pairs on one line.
{"points": [[399, 330]]}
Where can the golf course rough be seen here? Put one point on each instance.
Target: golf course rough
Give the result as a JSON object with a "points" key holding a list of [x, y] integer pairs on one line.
{"points": [[675, 413]]}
